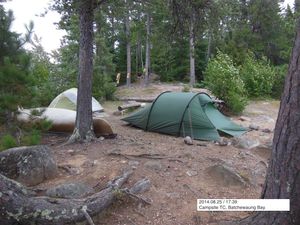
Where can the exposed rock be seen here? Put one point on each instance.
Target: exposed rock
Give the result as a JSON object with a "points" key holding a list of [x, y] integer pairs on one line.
{"points": [[153, 165], [133, 164], [202, 144], [95, 163], [244, 118], [265, 146], [245, 143], [188, 140], [69, 190], [253, 127], [71, 151], [223, 142], [117, 113], [192, 173], [101, 138], [265, 119], [268, 144], [266, 130], [258, 173], [225, 175], [141, 186], [29, 165], [20, 205], [173, 195], [70, 169], [264, 150]]}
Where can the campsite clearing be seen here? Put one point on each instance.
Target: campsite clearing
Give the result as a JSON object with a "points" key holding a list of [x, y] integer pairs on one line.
{"points": [[179, 173]]}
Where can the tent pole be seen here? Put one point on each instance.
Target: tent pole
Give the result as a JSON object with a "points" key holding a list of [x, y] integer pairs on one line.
{"points": [[183, 129], [190, 119]]}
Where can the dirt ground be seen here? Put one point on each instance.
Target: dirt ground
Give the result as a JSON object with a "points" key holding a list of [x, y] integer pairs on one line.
{"points": [[179, 178]]}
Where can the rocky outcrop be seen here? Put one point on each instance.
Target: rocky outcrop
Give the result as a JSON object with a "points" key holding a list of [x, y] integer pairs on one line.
{"points": [[29, 165]]}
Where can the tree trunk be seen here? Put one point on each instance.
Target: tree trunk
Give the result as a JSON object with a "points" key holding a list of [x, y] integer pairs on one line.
{"points": [[147, 64], [138, 49], [297, 5], [128, 46], [192, 50], [137, 52], [112, 21], [84, 123], [283, 177], [208, 53]]}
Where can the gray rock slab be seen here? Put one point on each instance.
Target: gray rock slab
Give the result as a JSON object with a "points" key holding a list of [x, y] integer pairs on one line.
{"points": [[153, 165], [29, 165], [225, 175], [245, 143]]}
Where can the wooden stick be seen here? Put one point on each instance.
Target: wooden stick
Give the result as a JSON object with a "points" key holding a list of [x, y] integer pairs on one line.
{"points": [[87, 216]]}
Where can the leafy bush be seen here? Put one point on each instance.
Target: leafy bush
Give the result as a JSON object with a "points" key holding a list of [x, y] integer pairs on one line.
{"points": [[34, 138], [199, 85], [104, 88], [223, 80], [186, 88], [108, 91], [29, 133], [258, 76], [278, 85], [8, 141]]}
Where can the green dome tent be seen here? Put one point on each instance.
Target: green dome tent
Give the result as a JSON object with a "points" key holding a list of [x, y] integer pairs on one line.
{"points": [[184, 114]]}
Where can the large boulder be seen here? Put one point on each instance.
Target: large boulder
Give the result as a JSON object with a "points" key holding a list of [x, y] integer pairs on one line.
{"points": [[225, 175], [153, 165], [29, 165], [245, 142]]}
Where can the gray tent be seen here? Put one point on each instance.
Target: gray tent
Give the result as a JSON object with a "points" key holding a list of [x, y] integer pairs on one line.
{"points": [[68, 100]]}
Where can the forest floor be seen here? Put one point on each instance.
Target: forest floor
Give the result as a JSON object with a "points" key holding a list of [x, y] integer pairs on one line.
{"points": [[179, 178]]}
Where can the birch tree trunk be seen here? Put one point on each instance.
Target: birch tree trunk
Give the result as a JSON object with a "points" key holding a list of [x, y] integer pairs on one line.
{"points": [[84, 124]]}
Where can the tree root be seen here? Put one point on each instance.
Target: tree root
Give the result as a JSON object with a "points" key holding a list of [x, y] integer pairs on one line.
{"points": [[76, 137], [261, 218], [22, 206]]}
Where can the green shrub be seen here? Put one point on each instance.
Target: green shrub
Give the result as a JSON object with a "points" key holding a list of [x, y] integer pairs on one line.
{"points": [[34, 138], [41, 125], [186, 88], [199, 85], [258, 76], [278, 85], [104, 89], [8, 141], [236, 103], [27, 133], [223, 80], [108, 90]]}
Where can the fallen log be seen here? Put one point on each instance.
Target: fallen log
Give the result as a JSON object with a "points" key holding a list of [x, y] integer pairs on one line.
{"points": [[145, 155], [20, 205], [137, 99], [130, 106]]}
